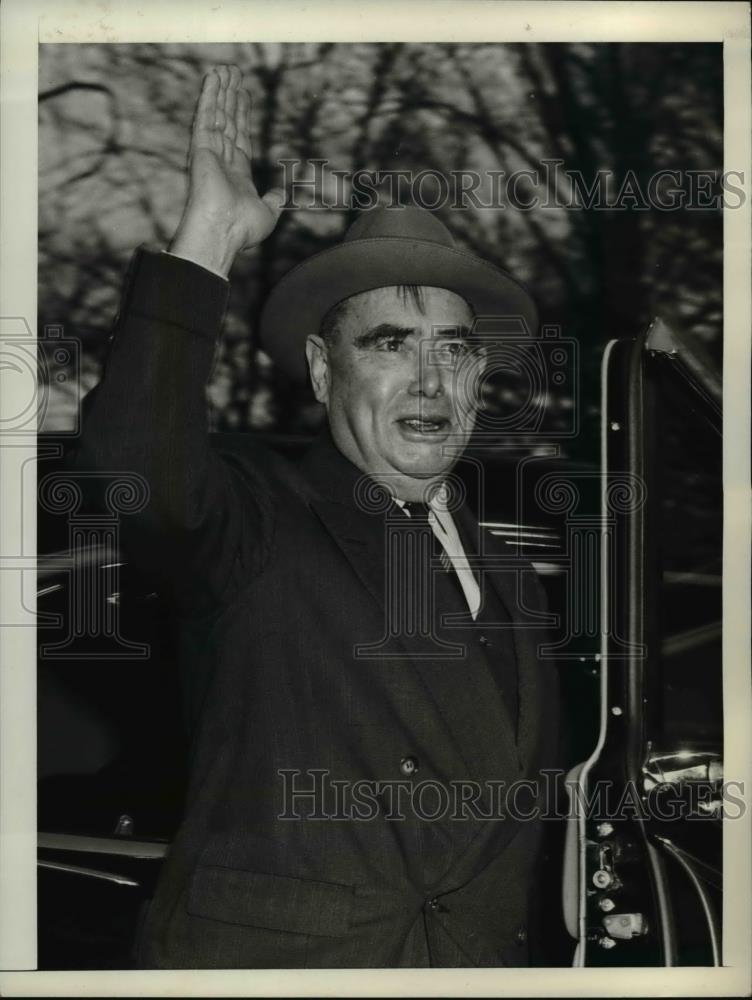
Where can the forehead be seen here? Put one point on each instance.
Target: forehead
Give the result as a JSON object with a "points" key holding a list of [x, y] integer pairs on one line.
{"points": [[392, 304]]}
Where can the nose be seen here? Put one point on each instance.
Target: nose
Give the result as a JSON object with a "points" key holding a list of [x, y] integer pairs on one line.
{"points": [[428, 377]]}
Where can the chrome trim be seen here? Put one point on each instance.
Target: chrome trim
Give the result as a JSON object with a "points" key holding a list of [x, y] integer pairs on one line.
{"points": [[686, 862], [55, 563], [663, 905], [673, 645], [525, 528], [548, 569], [511, 533], [103, 845], [686, 576], [681, 765], [519, 541], [661, 339], [712, 875], [88, 872], [581, 952]]}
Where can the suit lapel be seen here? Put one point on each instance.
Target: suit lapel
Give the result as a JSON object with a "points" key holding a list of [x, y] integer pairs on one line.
{"points": [[364, 547], [511, 591], [358, 538], [467, 700]]}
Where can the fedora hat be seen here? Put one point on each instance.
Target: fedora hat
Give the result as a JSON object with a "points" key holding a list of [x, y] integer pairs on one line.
{"points": [[384, 246]]}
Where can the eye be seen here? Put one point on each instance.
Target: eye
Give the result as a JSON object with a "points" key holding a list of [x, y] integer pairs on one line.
{"points": [[390, 344], [453, 350]]}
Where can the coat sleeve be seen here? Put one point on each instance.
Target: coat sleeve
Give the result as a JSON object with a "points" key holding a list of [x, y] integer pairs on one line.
{"points": [[206, 524]]}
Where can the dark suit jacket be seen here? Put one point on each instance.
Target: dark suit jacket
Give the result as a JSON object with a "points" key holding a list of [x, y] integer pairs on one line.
{"points": [[277, 575]]}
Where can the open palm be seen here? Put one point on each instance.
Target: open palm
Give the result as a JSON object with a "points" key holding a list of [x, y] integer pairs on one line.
{"points": [[222, 197]]}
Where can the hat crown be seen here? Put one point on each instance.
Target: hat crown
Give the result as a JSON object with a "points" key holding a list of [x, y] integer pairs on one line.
{"points": [[400, 222], [385, 246]]}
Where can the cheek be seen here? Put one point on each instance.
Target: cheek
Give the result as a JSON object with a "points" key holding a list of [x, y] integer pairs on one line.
{"points": [[373, 391], [365, 394], [358, 399]]}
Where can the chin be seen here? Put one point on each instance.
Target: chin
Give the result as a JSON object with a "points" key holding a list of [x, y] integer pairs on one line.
{"points": [[427, 466]]}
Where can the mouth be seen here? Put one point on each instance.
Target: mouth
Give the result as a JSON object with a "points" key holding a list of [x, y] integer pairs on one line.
{"points": [[423, 427]]}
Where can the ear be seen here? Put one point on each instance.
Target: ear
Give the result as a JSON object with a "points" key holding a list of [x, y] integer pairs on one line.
{"points": [[318, 365]]}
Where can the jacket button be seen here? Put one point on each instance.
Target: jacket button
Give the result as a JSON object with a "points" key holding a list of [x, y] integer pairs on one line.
{"points": [[409, 765], [483, 640], [521, 935], [436, 905]]}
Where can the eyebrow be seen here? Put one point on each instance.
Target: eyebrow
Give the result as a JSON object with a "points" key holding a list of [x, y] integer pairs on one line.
{"points": [[387, 330]]}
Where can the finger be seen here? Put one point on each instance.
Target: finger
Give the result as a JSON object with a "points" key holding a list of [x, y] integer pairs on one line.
{"points": [[206, 106], [223, 73], [243, 123], [231, 102], [224, 77]]}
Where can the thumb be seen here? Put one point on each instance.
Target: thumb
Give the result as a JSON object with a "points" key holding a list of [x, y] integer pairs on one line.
{"points": [[276, 199]]}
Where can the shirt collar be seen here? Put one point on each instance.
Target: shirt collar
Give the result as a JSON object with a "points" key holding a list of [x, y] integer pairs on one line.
{"points": [[437, 502], [437, 506]]}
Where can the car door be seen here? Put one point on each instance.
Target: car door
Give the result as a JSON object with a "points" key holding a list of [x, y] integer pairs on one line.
{"points": [[643, 871]]}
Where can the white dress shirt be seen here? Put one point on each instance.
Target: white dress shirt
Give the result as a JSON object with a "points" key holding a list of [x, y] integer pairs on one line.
{"points": [[444, 528]]}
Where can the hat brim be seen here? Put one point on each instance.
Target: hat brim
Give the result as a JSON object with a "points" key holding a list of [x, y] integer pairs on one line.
{"points": [[299, 301]]}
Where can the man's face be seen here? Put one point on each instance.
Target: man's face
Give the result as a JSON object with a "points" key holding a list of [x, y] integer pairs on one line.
{"points": [[388, 378]]}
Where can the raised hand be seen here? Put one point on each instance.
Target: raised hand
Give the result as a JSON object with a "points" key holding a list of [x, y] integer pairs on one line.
{"points": [[224, 212]]}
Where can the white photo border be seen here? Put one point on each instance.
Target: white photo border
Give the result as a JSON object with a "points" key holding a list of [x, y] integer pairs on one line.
{"points": [[24, 25]]}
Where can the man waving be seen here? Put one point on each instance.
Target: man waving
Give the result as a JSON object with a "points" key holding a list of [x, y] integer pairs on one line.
{"points": [[361, 696]]}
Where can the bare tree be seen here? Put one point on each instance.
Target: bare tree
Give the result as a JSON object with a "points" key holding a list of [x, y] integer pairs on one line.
{"points": [[113, 138]]}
